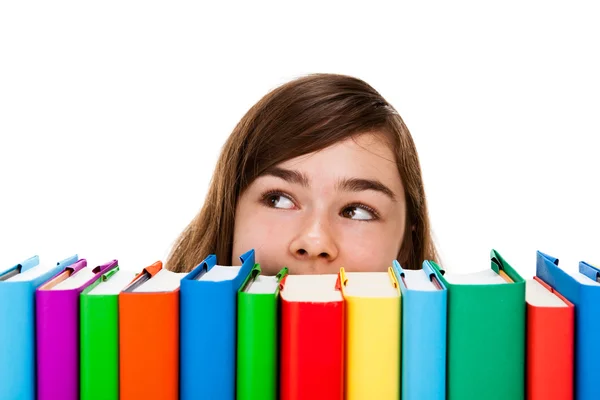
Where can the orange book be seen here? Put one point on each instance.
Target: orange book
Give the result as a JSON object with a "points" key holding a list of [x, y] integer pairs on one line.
{"points": [[550, 345], [149, 335]]}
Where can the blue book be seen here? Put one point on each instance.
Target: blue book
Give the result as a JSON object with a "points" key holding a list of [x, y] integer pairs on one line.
{"points": [[583, 290], [424, 311], [17, 324], [208, 315]]}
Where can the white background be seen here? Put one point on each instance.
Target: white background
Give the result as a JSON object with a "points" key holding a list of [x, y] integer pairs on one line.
{"points": [[112, 115]]}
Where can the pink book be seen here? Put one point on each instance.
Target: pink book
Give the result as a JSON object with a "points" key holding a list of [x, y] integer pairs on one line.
{"points": [[57, 330]]}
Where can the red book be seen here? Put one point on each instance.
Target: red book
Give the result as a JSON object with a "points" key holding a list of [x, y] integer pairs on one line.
{"points": [[312, 338], [550, 343]]}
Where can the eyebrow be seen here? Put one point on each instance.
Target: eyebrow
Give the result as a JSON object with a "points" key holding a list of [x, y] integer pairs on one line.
{"points": [[359, 185], [289, 176], [348, 185]]}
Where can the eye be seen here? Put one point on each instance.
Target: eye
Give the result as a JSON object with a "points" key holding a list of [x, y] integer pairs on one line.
{"points": [[278, 200], [359, 212]]}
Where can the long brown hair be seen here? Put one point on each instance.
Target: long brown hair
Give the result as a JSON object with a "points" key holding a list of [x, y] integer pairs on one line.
{"points": [[297, 118]]}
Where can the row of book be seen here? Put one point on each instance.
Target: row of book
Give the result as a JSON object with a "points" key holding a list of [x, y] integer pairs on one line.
{"points": [[69, 331]]}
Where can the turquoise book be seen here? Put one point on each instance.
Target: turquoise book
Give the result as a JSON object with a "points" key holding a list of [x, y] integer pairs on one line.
{"points": [[17, 324], [424, 309]]}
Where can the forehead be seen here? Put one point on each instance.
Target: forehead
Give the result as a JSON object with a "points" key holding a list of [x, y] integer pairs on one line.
{"points": [[368, 155]]}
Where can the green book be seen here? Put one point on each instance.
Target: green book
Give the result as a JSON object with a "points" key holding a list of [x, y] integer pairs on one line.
{"points": [[257, 344], [486, 333], [99, 336]]}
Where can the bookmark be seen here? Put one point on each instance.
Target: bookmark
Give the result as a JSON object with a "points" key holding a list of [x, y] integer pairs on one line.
{"points": [[435, 281], [251, 278], [432, 276], [9, 274], [505, 276], [143, 276], [500, 271], [138, 282], [104, 268]]}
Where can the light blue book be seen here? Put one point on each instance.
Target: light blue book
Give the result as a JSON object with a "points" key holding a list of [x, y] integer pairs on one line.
{"points": [[424, 311], [17, 324], [208, 317], [583, 290]]}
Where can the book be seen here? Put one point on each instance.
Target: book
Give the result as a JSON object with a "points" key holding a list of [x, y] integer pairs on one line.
{"points": [[99, 335], [581, 288], [257, 336], [57, 330], [208, 328], [424, 319], [17, 321], [312, 338], [486, 332], [372, 328], [149, 335], [550, 347]]}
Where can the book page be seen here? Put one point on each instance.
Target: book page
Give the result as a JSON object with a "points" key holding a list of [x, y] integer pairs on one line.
{"points": [[486, 277], [370, 284], [569, 263], [581, 278], [418, 280], [32, 273], [263, 285], [115, 284], [163, 281], [311, 288], [537, 295], [75, 281], [220, 273]]}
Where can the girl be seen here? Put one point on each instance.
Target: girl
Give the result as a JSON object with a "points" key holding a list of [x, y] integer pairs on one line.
{"points": [[321, 173]]}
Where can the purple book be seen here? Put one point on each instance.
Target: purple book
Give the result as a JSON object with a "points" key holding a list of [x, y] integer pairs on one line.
{"points": [[57, 330]]}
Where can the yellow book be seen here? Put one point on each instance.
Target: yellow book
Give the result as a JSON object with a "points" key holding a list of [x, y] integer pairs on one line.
{"points": [[372, 303]]}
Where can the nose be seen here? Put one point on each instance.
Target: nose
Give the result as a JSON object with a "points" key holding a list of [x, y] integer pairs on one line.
{"points": [[314, 242]]}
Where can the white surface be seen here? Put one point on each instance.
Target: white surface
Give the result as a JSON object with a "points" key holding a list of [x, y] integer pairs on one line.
{"points": [[311, 288], [263, 284], [115, 284], [114, 112], [163, 281], [370, 284], [486, 277], [32, 273], [537, 295], [579, 277], [220, 273], [418, 280], [76, 280]]}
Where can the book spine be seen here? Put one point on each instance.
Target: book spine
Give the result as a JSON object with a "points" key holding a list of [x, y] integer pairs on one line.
{"points": [[372, 348], [257, 347], [99, 338], [486, 341], [57, 338], [149, 346], [587, 357], [17, 343], [208, 310], [549, 353], [424, 345], [312, 351]]}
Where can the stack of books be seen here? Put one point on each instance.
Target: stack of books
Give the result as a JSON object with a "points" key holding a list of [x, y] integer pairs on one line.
{"points": [[71, 331]]}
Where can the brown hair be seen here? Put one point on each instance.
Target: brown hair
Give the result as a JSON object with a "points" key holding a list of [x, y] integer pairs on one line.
{"points": [[297, 118]]}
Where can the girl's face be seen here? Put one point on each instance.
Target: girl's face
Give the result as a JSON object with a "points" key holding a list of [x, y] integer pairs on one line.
{"points": [[342, 206]]}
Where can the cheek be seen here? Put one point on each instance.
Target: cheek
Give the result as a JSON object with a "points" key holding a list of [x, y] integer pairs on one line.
{"points": [[370, 248], [266, 233]]}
